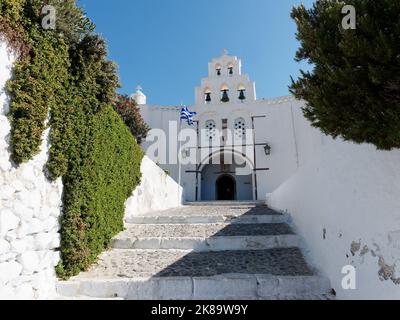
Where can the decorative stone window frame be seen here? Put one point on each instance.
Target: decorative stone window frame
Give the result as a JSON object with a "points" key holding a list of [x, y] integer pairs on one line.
{"points": [[240, 128], [211, 130]]}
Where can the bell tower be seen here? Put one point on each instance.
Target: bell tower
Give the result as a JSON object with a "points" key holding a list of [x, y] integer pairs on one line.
{"points": [[225, 83], [139, 96]]}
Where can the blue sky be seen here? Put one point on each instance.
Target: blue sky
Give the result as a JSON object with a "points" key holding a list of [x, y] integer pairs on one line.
{"points": [[165, 45]]}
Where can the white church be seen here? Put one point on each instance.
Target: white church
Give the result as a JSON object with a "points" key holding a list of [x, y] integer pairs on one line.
{"points": [[245, 147]]}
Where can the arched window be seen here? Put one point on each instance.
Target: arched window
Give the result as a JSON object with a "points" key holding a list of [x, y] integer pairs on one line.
{"points": [[207, 95], [218, 69], [224, 93], [230, 69], [211, 129], [241, 93], [240, 128]]}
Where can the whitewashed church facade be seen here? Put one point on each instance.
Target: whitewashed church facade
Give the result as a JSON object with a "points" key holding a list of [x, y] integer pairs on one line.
{"points": [[244, 147]]}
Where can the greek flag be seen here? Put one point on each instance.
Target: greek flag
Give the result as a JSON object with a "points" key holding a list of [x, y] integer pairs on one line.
{"points": [[187, 115]]}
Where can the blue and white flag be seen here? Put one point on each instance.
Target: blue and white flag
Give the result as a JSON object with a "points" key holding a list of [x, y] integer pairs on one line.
{"points": [[187, 115]]}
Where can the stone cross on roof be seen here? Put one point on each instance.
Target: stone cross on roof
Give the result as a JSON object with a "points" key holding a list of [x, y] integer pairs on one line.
{"points": [[224, 52]]}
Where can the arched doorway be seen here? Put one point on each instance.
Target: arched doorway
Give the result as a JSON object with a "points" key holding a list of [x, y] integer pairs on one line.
{"points": [[241, 176], [225, 187]]}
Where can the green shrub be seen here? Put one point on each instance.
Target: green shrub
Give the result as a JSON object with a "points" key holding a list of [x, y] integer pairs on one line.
{"points": [[96, 190], [64, 73], [351, 91], [41, 78]]}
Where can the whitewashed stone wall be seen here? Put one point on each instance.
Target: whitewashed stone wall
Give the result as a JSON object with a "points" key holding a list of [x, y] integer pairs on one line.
{"points": [[345, 202], [30, 206], [156, 192]]}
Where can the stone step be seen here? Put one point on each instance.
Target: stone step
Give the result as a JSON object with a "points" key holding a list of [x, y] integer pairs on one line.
{"points": [[245, 219], [212, 214], [325, 296], [203, 251], [227, 203], [224, 287], [76, 297], [76, 288], [204, 230], [207, 237], [210, 244], [172, 275]]}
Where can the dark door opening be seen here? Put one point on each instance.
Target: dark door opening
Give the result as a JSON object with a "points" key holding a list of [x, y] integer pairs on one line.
{"points": [[226, 188]]}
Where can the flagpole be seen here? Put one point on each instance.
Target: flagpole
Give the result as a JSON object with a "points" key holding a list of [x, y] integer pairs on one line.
{"points": [[179, 153], [185, 114], [179, 147]]}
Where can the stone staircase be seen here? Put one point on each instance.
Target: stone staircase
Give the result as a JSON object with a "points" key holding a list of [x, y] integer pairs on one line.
{"points": [[203, 251]]}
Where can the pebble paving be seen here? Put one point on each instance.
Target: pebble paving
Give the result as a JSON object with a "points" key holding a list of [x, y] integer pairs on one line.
{"points": [[233, 210], [204, 230], [177, 263]]}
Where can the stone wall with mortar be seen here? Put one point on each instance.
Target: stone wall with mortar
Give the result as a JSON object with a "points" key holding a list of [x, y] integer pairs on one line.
{"points": [[30, 207]]}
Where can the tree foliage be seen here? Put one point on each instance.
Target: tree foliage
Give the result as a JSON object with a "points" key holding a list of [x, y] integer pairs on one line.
{"points": [[351, 91], [130, 114]]}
